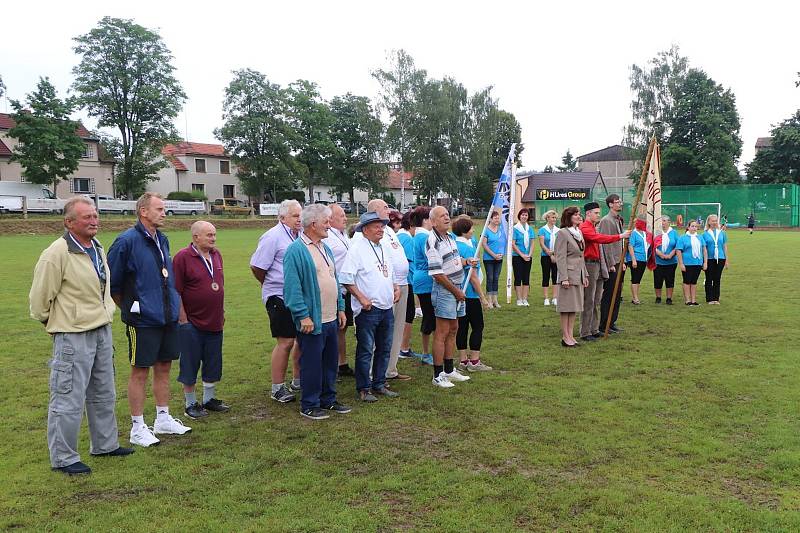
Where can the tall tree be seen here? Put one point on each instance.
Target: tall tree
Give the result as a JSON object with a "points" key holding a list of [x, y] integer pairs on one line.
{"points": [[357, 133], [548, 169], [49, 148], [568, 163], [311, 120], [780, 162], [256, 133], [704, 142], [125, 79], [655, 87]]}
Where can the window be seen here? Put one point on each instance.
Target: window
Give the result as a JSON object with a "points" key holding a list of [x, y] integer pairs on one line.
{"points": [[228, 191], [200, 165], [82, 185], [224, 167], [88, 151], [199, 187]]}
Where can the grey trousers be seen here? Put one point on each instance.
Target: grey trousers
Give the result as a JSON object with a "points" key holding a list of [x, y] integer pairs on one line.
{"points": [[399, 311], [590, 317], [81, 374]]}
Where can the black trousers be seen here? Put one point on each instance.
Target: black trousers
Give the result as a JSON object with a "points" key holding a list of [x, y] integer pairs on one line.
{"points": [[713, 279], [605, 302], [472, 319]]}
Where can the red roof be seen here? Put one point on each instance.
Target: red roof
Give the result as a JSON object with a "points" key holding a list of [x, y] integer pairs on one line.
{"points": [[4, 151], [395, 177], [7, 122], [190, 148]]}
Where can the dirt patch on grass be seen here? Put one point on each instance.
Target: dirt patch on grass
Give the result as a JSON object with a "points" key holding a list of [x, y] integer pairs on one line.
{"points": [[113, 495], [752, 493]]}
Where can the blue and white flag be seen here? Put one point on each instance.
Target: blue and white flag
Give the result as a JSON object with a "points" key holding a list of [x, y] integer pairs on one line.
{"points": [[502, 197]]}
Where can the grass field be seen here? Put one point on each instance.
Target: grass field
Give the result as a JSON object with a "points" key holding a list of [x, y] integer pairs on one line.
{"points": [[687, 421]]}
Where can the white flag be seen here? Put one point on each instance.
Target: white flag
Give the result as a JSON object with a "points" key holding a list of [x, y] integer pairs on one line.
{"points": [[650, 205]]}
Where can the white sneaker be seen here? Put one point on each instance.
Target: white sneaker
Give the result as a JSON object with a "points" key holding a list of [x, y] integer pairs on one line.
{"points": [[554, 301], [525, 303], [520, 304], [418, 312], [546, 302], [455, 375], [442, 381], [479, 367], [170, 425], [142, 435], [497, 304]]}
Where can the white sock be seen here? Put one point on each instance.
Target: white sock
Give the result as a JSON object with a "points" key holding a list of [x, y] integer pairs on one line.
{"points": [[137, 420], [162, 412]]}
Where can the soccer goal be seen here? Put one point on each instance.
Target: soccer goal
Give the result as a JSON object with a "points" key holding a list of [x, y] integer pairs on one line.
{"points": [[682, 213]]}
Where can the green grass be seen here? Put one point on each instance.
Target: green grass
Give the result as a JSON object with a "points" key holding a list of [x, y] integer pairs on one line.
{"points": [[688, 421]]}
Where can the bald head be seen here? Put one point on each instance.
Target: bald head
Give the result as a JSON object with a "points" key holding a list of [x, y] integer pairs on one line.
{"points": [[380, 207], [440, 219], [338, 217], [204, 235]]}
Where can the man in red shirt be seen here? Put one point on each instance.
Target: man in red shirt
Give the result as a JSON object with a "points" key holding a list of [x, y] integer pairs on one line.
{"points": [[199, 281], [595, 266]]}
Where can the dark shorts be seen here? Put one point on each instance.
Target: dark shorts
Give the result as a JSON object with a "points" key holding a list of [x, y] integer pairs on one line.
{"points": [[198, 346], [428, 322], [638, 272], [411, 305], [664, 274], [146, 346], [280, 319], [692, 274], [348, 308]]}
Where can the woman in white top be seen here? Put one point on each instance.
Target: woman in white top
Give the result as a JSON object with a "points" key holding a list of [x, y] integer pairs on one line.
{"points": [[547, 241]]}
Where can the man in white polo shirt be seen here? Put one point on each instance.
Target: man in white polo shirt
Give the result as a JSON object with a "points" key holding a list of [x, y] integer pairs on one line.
{"points": [[339, 243], [368, 275]]}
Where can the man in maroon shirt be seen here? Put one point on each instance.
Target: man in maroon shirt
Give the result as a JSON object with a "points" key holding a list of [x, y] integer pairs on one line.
{"points": [[199, 281], [595, 266]]}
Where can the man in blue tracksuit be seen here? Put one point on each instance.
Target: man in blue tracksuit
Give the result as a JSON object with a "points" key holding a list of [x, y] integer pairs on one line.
{"points": [[142, 286]]}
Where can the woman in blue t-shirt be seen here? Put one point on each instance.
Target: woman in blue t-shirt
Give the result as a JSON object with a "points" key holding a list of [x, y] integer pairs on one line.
{"points": [[547, 242], [638, 253], [521, 256], [666, 262], [406, 238], [473, 318], [692, 257], [716, 243], [423, 283], [494, 244]]}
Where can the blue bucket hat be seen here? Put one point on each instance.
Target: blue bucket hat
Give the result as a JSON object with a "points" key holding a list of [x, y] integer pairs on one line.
{"points": [[368, 218]]}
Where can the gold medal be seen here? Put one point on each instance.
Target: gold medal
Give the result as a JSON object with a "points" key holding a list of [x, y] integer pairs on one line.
{"points": [[385, 271], [164, 272], [214, 286]]}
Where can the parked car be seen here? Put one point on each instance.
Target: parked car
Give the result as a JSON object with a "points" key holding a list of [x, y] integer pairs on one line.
{"points": [[39, 199], [229, 206]]}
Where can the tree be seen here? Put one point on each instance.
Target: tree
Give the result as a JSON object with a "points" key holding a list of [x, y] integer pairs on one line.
{"points": [[548, 169], [704, 142], [2, 87], [125, 80], [655, 87], [357, 133], [781, 161], [256, 134], [49, 148], [311, 121], [568, 163]]}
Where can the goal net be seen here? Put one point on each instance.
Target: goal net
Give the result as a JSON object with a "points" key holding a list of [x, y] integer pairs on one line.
{"points": [[680, 214]]}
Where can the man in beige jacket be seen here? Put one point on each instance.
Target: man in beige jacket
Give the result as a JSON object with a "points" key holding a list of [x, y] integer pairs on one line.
{"points": [[71, 297]]}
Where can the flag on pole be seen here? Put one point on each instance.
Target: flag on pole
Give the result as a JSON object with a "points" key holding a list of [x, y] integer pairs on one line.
{"points": [[650, 204], [501, 200]]}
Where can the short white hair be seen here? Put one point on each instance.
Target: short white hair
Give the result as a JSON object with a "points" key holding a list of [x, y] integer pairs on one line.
{"points": [[314, 213], [283, 209]]}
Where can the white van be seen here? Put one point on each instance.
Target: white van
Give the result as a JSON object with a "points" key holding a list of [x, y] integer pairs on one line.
{"points": [[38, 197]]}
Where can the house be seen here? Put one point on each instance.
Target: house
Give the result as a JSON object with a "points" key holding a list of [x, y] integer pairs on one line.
{"points": [[95, 174], [762, 143], [615, 163], [193, 166], [398, 184]]}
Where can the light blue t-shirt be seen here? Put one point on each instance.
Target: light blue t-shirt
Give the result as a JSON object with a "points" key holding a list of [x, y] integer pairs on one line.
{"points": [[519, 240], [423, 283], [639, 247], [673, 242], [708, 240], [407, 242], [549, 238], [467, 251], [496, 242], [685, 246]]}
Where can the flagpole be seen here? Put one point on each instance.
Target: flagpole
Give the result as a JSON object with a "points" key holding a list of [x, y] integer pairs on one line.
{"points": [[631, 222], [510, 229]]}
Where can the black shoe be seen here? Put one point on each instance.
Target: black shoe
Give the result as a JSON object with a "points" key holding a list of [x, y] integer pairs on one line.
{"points": [[658, 299], [588, 338], [345, 370], [119, 452], [695, 303], [216, 405], [74, 469], [282, 395], [615, 329], [669, 301], [195, 411], [336, 407], [598, 335], [315, 413], [565, 345]]}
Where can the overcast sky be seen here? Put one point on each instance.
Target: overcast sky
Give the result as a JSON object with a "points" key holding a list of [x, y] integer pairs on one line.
{"points": [[561, 68]]}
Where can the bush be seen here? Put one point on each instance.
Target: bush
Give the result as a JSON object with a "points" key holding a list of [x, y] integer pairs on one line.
{"points": [[181, 196], [198, 196]]}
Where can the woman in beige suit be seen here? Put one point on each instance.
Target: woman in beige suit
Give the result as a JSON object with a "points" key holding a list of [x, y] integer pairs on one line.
{"points": [[572, 273]]}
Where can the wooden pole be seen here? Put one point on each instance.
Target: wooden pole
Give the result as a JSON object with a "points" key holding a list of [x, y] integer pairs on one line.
{"points": [[631, 222], [510, 229]]}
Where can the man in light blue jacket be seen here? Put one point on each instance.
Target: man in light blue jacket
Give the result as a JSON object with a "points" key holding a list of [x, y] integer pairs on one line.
{"points": [[312, 293]]}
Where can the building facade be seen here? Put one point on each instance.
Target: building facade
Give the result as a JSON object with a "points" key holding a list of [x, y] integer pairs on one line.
{"points": [[95, 174], [195, 166], [615, 163]]}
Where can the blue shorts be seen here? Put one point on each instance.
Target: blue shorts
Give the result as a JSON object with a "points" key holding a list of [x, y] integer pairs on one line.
{"points": [[198, 346], [445, 304]]}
